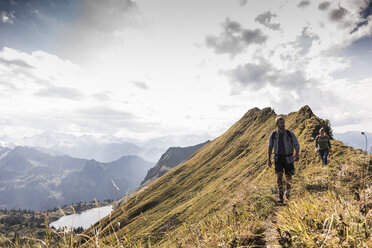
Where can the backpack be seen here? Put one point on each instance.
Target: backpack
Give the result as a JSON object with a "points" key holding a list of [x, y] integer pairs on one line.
{"points": [[317, 138]]}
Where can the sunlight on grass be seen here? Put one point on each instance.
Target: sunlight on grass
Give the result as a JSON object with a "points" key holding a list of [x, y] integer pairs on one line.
{"points": [[329, 220]]}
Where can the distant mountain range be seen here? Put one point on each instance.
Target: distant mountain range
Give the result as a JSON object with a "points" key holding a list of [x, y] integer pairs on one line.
{"points": [[170, 159], [355, 139], [31, 179], [105, 148]]}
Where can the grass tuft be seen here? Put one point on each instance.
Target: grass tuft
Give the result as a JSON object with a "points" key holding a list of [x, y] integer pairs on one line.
{"points": [[328, 220]]}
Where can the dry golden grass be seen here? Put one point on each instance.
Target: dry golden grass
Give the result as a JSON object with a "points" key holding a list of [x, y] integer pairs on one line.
{"points": [[328, 220]]}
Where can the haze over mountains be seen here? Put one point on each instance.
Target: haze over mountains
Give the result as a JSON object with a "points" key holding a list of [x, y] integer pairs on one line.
{"points": [[104, 148], [41, 178], [31, 179]]}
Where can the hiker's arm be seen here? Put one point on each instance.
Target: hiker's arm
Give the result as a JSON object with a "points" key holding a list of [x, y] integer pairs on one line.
{"points": [[269, 151], [296, 146], [297, 154]]}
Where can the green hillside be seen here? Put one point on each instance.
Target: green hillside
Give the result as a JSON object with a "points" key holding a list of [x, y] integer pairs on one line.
{"points": [[224, 195]]}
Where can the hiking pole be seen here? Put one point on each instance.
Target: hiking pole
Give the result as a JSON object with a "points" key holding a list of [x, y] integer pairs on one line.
{"points": [[365, 136], [364, 177]]}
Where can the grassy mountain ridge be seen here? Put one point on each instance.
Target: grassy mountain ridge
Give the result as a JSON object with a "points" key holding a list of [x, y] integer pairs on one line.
{"points": [[228, 180]]}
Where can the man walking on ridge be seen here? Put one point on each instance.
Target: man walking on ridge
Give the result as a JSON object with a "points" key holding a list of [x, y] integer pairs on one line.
{"points": [[284, 142]]}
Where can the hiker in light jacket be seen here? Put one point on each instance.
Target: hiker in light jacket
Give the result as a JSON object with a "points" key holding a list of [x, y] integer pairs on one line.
{"points": [[323, 145], [284, 142]]}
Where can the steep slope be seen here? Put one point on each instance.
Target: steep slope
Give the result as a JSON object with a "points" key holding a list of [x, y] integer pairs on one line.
{"points": [[170, 159], [227, 177]]}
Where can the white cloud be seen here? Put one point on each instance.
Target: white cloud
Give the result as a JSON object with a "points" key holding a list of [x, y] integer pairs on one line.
{"points": [[324, 5], [265, 19], [295, 66], [44, 92], [337, 14], [7, 17], [63, 92], [141, 85], [303, 4], [242, 2], [30, 72], [109, 120], [38, 87], [103, 96], [137, 72], [234, 38]]}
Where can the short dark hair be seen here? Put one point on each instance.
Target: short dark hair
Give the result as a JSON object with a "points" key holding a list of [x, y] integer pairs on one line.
{"points": [[279, 118]]}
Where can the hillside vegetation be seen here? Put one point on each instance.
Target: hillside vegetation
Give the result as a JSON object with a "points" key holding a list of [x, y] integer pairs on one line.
{"points": [[25, 224], [225, 196]]}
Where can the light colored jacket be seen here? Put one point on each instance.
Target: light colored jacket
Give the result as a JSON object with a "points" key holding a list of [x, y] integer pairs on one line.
{"points": [[290, 143]]}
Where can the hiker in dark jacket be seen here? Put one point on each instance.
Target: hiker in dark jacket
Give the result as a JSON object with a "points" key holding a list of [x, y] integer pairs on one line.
{"points": [[284, 142], [323, 145]]}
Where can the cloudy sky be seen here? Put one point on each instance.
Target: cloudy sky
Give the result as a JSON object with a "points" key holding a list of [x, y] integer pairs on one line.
{"points": [[142, 69]]}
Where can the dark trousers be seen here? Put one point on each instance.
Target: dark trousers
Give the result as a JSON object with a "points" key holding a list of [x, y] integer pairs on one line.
{"points": [[282, 167], [324, 154]]}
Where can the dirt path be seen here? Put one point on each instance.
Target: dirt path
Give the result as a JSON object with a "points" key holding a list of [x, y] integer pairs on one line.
{"points": [[271, 233]]}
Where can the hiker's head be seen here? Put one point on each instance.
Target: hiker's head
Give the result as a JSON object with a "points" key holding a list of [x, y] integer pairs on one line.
{"points": [[280, 123], [322, 131]]}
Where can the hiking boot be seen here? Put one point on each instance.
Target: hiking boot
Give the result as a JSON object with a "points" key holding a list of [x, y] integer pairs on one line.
{"points": [[288, 195], [281, 195], [281, 198]]}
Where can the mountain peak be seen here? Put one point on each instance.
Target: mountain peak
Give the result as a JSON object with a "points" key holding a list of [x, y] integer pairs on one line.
{"points": [[24, 151], [258, 114], [306, 111], [252, 112]]}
